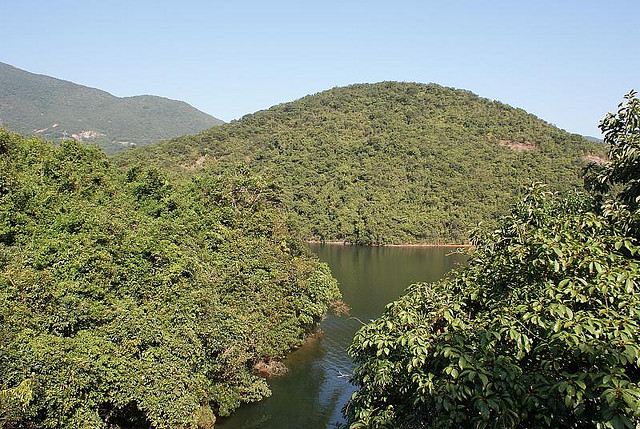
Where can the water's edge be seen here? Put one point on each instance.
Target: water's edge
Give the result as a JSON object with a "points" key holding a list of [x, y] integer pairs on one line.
{"points": [[316, 388]]}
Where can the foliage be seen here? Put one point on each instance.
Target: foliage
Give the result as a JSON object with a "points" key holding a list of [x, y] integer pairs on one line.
{"points": [[542, 330], [135, 299], [388, 162], [621, 176], [14, 402], [57, 109]]}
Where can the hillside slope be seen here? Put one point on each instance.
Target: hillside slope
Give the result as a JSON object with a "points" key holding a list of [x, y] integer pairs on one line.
{"points": [[57, 109], [388, 162]]}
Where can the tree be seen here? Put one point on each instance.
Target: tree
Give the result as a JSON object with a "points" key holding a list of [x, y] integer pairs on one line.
{"points": [[142, 300], [622, 134], [541, 330]]}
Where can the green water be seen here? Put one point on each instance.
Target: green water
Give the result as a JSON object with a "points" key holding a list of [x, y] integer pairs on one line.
{"points": [[313, 393]]}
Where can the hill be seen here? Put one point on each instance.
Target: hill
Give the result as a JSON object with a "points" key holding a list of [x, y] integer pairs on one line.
{"points": [[594, 139], [57, 109], [388, 162]]}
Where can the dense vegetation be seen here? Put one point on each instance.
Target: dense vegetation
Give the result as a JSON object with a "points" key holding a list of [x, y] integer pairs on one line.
{"points": [[389, 162], [57, 109], [542, 330], [131, 299]]}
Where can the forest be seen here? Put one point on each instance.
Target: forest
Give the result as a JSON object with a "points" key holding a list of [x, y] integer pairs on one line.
{"points": [[387, 163], [128, 299], [144, 290], [541, 330]]}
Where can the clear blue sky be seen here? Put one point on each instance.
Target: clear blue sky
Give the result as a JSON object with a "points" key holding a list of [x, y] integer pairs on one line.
{"points": [[568, 61]]}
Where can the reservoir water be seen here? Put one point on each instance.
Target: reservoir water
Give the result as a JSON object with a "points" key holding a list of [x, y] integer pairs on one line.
{"points": [[316, 388]]}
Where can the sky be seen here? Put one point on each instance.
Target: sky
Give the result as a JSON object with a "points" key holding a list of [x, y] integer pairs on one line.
{"points": [[567, 61]]}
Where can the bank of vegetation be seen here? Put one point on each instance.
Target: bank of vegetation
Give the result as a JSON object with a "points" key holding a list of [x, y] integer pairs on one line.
{"points": [[145, 291], [130, 299], [542, 330], [388, 162]]}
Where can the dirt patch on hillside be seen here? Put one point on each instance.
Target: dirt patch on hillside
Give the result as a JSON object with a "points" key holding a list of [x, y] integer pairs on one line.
{"points": [[596, 159], [86, 135], [198, 163], [524, 146]]}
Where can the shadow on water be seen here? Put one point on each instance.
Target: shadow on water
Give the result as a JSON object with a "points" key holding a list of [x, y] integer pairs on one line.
{"points": [[313, 393]]}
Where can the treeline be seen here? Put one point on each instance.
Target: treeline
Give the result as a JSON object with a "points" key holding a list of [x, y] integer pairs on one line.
{"points": [[542, 330], [388, 162], [133, 299]]}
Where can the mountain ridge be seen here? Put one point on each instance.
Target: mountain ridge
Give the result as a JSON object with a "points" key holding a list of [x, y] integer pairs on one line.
{"points": [[56, 109]]}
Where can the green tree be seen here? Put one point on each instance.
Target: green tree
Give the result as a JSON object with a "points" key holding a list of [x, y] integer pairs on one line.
{"points": [[541, 330], [137, 299], [622, 134]]}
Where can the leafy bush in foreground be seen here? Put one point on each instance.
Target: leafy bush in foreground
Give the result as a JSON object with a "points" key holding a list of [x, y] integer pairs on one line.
{"points": [[134, 300], [542, 330]]}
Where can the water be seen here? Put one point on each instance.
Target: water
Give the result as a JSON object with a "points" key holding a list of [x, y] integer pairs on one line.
{"points": [[313, 393]]}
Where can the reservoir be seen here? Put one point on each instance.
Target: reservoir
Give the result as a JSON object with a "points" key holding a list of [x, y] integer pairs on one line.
{"points": [[316, 388]]}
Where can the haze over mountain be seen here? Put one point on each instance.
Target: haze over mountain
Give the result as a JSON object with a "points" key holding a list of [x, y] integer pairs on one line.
{"points": [[388, 162], [57, 109]]}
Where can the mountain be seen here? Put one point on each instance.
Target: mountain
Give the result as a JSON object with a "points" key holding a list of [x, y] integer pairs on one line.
{"points": [[388, 162], [57, 109], [594, 139]]}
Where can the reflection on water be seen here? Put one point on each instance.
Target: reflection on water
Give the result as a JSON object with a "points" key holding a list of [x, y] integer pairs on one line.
{"points": [[313, 393]]}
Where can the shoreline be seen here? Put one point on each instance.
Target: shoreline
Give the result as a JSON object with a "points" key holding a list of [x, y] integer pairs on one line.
{"points": [[346, 243]]}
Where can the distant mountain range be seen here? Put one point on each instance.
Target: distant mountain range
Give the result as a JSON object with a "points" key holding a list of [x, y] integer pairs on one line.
{"points": [[594, 139], [58, 109], [390, 162]]}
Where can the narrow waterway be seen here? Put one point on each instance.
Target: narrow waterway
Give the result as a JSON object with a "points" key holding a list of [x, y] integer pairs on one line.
{"points": [[313, 393]]}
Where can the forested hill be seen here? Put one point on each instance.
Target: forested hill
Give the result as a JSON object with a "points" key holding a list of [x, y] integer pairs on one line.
{"points": [[388, 162], [130, 300], [56, 109]]}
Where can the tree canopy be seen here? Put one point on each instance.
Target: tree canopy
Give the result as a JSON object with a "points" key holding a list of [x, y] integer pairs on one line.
{"points": [[130, 299], [389, 162], [542, 330]]}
